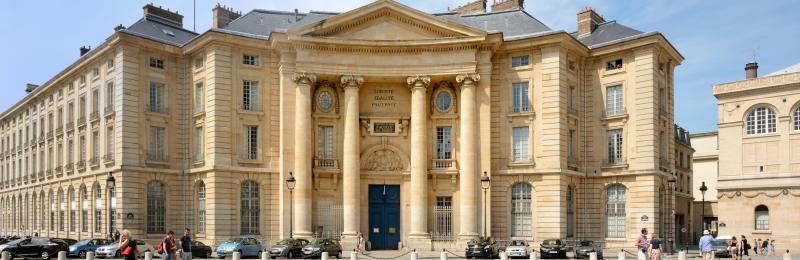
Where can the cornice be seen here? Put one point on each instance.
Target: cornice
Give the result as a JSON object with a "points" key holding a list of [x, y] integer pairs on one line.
{"points": [[756, 84], [385, 48]]}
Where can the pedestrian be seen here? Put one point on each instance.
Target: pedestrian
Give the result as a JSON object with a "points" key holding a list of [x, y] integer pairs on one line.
{"points": [[744, 247], [706, 245], [642, 244], [360, 243], [757, 249], [765, 247], [655, 247], [186, 245], [167, 246], [771, 248], [127, 246], [733, 249]]}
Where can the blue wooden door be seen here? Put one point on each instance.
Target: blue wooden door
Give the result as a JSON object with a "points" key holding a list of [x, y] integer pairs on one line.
{"points": [[384, 216]]}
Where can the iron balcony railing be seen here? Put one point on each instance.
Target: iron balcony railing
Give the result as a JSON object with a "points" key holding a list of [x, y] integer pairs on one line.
{"points": [[156, 157], [109, 110], [156, 109], [70, 126], [108, 158], [94, 161], [618, 111], [80, 165], [520, 108], [69, 167], [614, 162], [443, 164], [94, 116], [81, 121]]}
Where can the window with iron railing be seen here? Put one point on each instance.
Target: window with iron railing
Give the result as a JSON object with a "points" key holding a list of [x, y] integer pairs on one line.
{"points": [[614, 99], [615, 211], [157, 100], [520, 101], [251, 142], [521, 213], [325, 147], [250, 95], [443, 216], [520, 144], [157, 151], [615, 147]]}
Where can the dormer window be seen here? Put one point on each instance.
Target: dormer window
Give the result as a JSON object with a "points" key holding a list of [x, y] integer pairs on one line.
{"points": [[519, 61], [156, 63], [614, 64], [251, 60]]}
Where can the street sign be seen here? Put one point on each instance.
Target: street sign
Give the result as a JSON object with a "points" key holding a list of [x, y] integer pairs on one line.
{"points": [[645, 218]]}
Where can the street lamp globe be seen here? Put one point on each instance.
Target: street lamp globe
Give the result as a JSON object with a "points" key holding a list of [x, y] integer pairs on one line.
{"points": [[290, 181], [703, 188], [485, 181], [110, 181]]}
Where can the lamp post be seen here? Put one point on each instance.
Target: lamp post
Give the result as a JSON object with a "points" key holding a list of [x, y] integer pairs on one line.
{"points": [[672, 180], [703, 190], [110, 182], [290, 181], [485, 185]]}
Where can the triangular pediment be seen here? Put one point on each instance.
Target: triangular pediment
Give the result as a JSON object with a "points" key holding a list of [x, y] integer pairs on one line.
{"points": [[386, 20]]}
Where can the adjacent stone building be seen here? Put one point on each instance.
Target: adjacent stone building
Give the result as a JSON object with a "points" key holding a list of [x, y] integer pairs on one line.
{"points": [[759, 156], [684, 175], [385, 117], [705, 163]]}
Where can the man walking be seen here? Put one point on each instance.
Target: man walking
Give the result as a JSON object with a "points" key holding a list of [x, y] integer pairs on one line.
{"points": [[642, 244], [706, 248], [186, 246]]}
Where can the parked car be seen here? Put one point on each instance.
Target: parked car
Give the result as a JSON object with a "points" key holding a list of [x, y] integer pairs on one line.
{"points": [[553, 248], [315, 248], [517, 248], [80, 248], [200, 250], [37, 247], [587, 246], [69, 241], [247, 246], [482, 247], [112, 250], [720, 247], [289, 248]]}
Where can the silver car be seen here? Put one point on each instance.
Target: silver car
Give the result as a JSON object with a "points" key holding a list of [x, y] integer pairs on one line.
{"points": [[517, 249], [585, 247]]}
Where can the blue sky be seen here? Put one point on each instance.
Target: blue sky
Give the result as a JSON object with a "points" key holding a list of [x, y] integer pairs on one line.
{"points": [[717, 37]]}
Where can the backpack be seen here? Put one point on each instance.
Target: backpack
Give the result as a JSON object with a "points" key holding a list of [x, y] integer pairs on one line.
{"points": [[160, 248]]}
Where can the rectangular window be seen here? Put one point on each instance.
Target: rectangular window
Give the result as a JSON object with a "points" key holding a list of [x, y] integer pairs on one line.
{"points": [[95, 145], [251, 142], [95, 101], [70, 152], [201, 209], [199, 140], [444, 143], [199, 97], [571, 98], [82, 81], [157, 152], [520, 143], [443, 213], [615, 147], [199, 62], [84, 212], [109, 144], [156, 63], [157, 102], [325, 142], [251, 60], [98, 207], [250, 95], [571, 145], [95, 73], [109, 64], [520, 99], [519, 61], [614, 105], [614, 64], [109, 97]]}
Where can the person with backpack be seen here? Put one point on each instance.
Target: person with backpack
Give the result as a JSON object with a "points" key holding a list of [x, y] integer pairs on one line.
{"points": [[127, 246], [167, 246]]}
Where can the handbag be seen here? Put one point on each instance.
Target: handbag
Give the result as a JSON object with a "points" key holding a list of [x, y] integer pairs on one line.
{"points": [[127, 250]]}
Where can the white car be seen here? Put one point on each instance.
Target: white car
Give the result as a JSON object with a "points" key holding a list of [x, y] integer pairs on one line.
{"points": [[112, 250], [517, 249]]}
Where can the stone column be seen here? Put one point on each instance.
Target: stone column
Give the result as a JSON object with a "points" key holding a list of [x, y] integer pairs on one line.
{"points": [[468, 158], [302, 159], [351, 158], [419, 238]]}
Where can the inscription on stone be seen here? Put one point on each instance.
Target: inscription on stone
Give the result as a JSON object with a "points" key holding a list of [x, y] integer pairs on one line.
{"points": [[384, 99], [383, 128]]}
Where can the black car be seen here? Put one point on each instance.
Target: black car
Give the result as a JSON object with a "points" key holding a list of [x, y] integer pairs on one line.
{"points": [[482, 247], [315, 248], [553, 248], [37, 247], [289, 248], [200, 250]]}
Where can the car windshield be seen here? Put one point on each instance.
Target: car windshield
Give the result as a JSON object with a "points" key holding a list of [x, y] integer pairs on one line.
{"points": [[551, 242], [720, 242], [83, 242], [235, 240], [586, 243], [17, 241], [317, 242], [480, 241], [518, 243], [285, 242]]}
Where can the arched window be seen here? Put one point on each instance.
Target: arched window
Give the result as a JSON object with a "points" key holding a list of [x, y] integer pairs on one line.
{"points": [[797, 118], [52, 211], [570, 212], [250, 208], [98, 208], [761, 121], [156, 209], [73, 210], [615, 210], [762, 217], [201, 208], [35, 216], [84, 210], [521, 214], [61, 207]]}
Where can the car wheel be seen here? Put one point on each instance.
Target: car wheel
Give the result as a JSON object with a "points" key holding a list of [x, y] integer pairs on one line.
{"points": [[45, 255], [208, 255], [82, 254], [289, 255]]}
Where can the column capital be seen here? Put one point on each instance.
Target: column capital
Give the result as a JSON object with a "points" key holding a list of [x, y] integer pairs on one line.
{"points": [[468, 78], [353, 81], [304, 77], [418, 81]]}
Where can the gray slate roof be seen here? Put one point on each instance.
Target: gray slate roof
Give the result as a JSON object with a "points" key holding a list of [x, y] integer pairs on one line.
{"points": [[157, 29], [607, 32], [791, 69]]}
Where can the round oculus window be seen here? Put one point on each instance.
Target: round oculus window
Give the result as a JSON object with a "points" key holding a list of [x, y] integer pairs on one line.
{"points": [[443, 101], [325, 100]]}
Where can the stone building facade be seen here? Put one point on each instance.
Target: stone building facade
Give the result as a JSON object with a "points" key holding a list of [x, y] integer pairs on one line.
{"points": [[759, 156], [385, 116], [683, 198], [705, 163]]}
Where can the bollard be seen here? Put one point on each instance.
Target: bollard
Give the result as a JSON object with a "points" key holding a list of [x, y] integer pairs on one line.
{"points": [[148, 255], [713, 255], [62, 255], [593, 256], [787, 256], [682, 255], [503, 255], [443, 255], [533, 255], [236, 256], [324, 256], [6, 255], [265, 255], [354, 255], [621, 255], [90, 255], [414, 255]]}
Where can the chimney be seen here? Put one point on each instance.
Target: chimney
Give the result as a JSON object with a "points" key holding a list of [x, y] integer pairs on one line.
{"points": [[475, 7], [162, 14], [119, 27], [751, 70], [223, 15], [30, 88], [588, 20], [85, 49], [503, 5]]}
